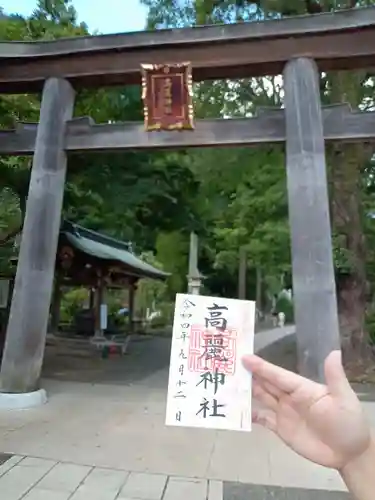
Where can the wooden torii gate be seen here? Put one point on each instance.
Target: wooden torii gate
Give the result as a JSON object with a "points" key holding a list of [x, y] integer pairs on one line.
{"points": [[297, 47]]}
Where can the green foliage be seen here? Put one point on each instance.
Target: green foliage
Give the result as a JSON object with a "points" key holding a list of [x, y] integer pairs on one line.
{"points": [[156, 295], [133, 195], [51, 19], [342, 256], [72, 302], [163, 322], [285, 305], [231, 197], [243, 199], [151, 294], [256, 216], [172, 252]]}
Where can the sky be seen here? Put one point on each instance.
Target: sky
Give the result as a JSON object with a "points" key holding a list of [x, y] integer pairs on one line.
{"points": [[119, 16]]}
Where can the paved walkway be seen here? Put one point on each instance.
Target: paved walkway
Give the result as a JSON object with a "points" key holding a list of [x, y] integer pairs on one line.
{"points": [[105, 440], [40, 479], [26, 478], [237, 491]]}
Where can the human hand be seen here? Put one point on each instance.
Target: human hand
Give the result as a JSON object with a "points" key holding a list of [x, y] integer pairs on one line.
{"points": [[323, 423]]}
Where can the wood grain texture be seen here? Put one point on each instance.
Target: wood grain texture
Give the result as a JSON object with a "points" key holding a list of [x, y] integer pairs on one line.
{"points": [[340, 124], [341, 40], [27, 326], [314, 289], [335, 22]]}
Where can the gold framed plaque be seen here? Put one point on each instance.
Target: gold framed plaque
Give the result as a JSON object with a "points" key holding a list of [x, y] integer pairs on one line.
{"points": [[167, 93]]}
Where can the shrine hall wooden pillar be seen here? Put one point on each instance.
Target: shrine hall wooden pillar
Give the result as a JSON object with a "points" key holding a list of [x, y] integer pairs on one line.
{"points": [[91, 298], [131, 304], [98, 301], [314, 288], [28, 321]]}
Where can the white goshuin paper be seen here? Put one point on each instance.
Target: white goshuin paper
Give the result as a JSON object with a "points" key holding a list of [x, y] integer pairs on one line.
{"points": [[194, 345]]}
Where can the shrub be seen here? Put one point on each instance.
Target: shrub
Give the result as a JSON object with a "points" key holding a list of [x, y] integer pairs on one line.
{"points": [[166, 316], [71, 303], [285, 305]]}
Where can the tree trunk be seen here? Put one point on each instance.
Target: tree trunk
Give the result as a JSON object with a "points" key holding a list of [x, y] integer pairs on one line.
{"points": [[347, 161], [259, 288]]}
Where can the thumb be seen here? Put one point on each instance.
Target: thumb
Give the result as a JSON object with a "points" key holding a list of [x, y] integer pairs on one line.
{"points": [[336, 380]]}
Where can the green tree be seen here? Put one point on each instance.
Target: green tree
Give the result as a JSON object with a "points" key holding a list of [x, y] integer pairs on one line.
{"points": [[172, 252], [266, 233], [130, 195]]}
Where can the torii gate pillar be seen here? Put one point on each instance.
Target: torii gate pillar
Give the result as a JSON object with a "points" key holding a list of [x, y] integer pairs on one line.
{"points": [[28, 320], [314, 289]]}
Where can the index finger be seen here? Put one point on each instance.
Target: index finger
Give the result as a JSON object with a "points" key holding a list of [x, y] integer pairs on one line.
{"points": [[279, 377]]}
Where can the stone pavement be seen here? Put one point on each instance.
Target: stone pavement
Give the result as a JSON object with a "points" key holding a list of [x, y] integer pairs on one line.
{"points": [[236, 491], [30, 478], [27, 478], [97, 440], [122, 427]]}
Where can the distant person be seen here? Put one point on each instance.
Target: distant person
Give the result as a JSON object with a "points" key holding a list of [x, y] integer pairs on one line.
{"points": [[323, 423]]}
